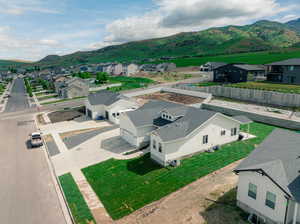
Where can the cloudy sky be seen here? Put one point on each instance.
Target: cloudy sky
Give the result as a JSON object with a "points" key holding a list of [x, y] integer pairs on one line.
{"points": [[32, 29]]}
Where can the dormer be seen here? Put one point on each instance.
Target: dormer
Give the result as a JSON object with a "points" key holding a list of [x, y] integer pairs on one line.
{"points": [[165, 115]]}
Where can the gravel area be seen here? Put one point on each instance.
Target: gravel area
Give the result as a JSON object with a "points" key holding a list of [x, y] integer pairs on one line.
{"points": [[76, 140], [66, 115]]}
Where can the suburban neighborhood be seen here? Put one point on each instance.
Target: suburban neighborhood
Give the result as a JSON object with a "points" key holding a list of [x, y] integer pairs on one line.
{"points": [[167, 123]]}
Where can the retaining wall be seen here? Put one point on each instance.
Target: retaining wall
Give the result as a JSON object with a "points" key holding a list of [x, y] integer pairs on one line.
{"points": [[250, 95], [284, 123]]}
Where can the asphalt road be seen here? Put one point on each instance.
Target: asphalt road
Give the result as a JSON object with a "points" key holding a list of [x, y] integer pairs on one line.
{"points": [[18, 100], [27, 192]]}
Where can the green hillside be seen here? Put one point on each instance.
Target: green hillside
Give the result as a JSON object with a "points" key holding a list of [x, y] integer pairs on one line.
{"points": [[260, 36], [249, 58], [6, 64], [294, 24]]}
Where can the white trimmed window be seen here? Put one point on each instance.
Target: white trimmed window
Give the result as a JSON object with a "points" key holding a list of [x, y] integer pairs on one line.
{"points": [[223, 132], [270, 200], [205, 139], [154, 144], [159, 147], [252, 191], [233, 131]]}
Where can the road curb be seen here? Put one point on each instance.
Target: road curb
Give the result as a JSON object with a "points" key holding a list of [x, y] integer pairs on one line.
{"points": [[58, 188]]}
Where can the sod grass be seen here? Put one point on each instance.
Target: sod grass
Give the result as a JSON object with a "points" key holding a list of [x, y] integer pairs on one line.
{"points": [[80, 211], [283, 88], [124, 186]]}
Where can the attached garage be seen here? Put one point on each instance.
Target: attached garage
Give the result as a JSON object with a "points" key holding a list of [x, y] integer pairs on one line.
{"points": [[129, 137]]}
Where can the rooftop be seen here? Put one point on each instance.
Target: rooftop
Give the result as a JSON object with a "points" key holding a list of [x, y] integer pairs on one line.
{"points": [[279, 157], [289, 62]]}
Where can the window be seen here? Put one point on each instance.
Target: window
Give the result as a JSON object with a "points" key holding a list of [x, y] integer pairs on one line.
{"points": [[159, 147], [291, 68], [205, 139], [223, 132], [270, 200], [252, 191], [233, 131], [154, 144]]}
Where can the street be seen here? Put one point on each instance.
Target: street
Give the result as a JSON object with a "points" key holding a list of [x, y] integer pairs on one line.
{"points": [[18, 100], [27, 190]]}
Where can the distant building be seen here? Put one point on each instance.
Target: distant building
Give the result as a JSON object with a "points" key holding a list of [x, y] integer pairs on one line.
{"points": [[71, 87], [234, 73], [165, 67], [287, 71], [130, 69], [210, 66]]}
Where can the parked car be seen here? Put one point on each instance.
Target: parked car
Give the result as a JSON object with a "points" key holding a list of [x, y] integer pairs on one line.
{"points": [[36, 139]]}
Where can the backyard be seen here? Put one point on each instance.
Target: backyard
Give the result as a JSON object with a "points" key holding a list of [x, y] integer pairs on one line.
{"points": [[80, 211], [283, 88], [124, 186], [129, 82]]}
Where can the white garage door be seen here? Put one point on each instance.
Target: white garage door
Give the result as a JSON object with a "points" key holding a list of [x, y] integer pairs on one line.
{"points": [[129, 137]]}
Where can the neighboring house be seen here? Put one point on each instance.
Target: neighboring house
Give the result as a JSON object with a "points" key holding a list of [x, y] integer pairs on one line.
{"points": [[269, 179], [148, 68], [130, 69], [165, 67], [108, 105], [71, 88], [175, 131], [117, 69], [210, 66], [234, 73], [284, 71]]}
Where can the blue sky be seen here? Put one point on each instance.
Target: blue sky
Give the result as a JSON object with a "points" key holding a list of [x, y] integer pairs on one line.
{"points": [[32, 29]]}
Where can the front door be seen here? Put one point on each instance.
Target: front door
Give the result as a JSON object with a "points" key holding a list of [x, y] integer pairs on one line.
{"points": [[107, 115]]}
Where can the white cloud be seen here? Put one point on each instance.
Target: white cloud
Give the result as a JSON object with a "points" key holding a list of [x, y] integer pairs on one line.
{"points": [[173, 16], [287, 18], [19, 7]]}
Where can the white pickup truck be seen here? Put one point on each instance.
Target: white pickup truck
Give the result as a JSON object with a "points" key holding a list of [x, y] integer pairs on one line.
{"points": [[36, 139]]}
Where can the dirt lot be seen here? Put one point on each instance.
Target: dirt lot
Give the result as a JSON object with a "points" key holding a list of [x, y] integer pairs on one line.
{"points": [[173, 97], [209, 200], [168, 76], [73, 133], [66, 115]]}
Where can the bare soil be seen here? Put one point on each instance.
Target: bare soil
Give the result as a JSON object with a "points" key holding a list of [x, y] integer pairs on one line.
{"points": [[167, 76], [172, 97], [40, 119], [66, 115], [210, 199]]}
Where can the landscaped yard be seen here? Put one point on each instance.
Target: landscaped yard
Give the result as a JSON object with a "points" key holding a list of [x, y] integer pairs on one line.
{"points": [[78, 206], [284, 88], [124, 186], [129, 82]]}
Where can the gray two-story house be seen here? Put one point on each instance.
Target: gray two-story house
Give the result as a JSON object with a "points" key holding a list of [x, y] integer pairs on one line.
{"points": [[287, 71]]}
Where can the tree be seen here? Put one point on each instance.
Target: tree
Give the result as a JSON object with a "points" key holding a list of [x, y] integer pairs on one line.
{"points": [[101, 77]]}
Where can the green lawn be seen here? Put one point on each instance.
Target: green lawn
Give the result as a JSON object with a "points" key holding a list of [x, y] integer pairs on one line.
{"points": [[125, 186], [129, 82], [284, 88], [249, 58], [76, 202], [205, 84], [63, 100]]}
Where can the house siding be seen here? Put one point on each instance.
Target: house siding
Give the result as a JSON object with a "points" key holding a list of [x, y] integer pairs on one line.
{"points": [[257, 206], [285, 76], [194, 143]]}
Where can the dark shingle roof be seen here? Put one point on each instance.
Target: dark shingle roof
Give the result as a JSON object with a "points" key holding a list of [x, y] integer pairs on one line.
{"points": [[294, 61], [104, 97], [249, 67], [216, 65], [146, 114], [278, 157], [192, 119]]}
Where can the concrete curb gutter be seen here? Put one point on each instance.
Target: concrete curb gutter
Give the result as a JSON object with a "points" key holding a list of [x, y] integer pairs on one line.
{"points": [[58, 188]]}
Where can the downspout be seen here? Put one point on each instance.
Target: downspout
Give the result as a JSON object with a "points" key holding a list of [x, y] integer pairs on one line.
{"points": [[286, 210]]}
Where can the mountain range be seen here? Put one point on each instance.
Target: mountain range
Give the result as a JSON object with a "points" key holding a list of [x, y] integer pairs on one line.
{"points": [[260, 36]]}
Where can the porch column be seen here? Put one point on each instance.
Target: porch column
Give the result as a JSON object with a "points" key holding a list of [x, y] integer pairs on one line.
{"points": [[295, 213]]}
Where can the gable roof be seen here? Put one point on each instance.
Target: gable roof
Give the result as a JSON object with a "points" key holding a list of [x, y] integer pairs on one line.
{"points": [[104, 97], [279, 157], [293, 61], [215, 65], [249, 67], [182, 127], [151, 111]]}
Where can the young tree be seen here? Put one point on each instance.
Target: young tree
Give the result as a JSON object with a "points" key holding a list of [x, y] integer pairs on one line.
{"points": [[101, 77]]}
